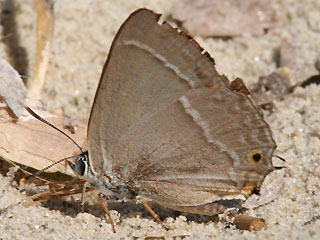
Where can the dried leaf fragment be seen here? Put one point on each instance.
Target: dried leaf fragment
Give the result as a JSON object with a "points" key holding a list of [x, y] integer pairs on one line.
{"points": [[270, 88], [32, 143], [245, 222], [45, 25], [12, 89], [226, 17]]}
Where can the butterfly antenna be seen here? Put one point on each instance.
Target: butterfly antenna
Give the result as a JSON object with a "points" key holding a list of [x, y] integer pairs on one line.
{"points": [[51, 125], [44, 169]]}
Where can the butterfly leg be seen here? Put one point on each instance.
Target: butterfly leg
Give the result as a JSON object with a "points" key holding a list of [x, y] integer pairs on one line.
{"points": [[106, 209], [82, 195], [154, 215]]}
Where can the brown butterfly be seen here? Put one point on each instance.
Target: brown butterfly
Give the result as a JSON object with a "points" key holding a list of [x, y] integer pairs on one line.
{"points": [[166, 127]]}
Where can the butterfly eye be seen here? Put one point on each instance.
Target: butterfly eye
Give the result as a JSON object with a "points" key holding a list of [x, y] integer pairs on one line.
{"points": [[255, 157], [81, 165]]}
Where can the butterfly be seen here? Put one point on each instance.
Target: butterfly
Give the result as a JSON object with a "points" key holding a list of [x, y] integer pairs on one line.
{"points": [[166, 127]]}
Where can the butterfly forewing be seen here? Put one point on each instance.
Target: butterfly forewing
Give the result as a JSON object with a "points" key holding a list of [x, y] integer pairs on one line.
{"points": [[148, 66]]}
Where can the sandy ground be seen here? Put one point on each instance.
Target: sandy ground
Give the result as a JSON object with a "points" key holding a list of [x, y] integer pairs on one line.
{"points": [[83, 33]]}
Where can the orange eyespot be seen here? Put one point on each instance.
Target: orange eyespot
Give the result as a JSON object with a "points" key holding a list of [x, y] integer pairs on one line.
{"points": [[255, 157], [248, 189]]}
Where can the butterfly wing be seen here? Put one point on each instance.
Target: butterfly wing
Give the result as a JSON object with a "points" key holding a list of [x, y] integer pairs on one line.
{"points": [[166, 122], [197, 149], [148, 66]]}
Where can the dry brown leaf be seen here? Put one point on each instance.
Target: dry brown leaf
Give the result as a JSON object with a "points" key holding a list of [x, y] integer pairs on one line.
{"points": [[226, 18], [27, 140], [12, 89], [32, 143]]}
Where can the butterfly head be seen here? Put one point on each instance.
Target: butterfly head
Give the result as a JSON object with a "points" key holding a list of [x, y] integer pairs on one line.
{"points": [[111, 187], [82, 169]]}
